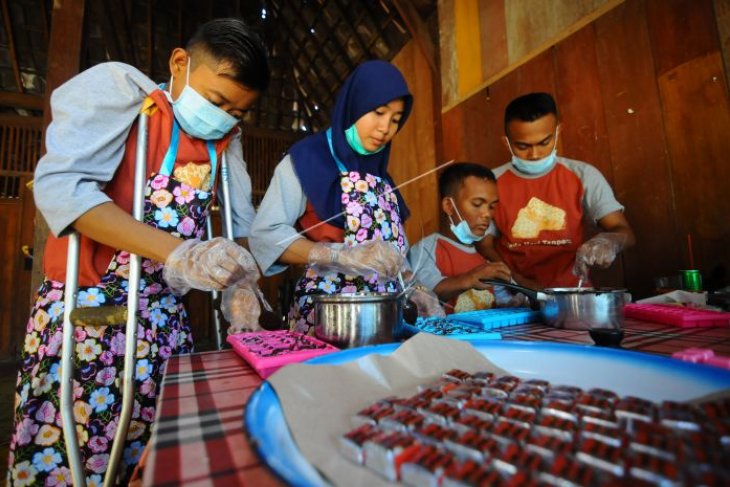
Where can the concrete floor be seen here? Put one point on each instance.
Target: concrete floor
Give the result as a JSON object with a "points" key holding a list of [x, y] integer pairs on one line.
{"points": [[8, 375]]}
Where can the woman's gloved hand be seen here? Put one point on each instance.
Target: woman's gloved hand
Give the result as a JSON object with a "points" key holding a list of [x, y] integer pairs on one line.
{"points": [[599, 251], [208, 265], [374, 256], [426, 300], [241, 307]]}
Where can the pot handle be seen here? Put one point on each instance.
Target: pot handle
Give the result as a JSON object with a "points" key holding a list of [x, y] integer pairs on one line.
{"points": [[530, 293]]}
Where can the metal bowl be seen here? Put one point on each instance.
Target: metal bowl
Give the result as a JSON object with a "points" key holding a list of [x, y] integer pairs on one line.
{"points": [[356, 320]]}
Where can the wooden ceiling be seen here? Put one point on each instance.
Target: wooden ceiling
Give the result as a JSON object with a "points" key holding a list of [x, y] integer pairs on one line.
{"points": [[313, 44]]}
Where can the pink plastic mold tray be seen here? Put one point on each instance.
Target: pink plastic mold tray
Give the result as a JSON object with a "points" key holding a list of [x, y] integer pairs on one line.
{"points": [[268, 351], [677, 315]]}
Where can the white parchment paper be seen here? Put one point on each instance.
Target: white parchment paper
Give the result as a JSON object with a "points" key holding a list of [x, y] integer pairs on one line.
{"points": [[319, 401]]}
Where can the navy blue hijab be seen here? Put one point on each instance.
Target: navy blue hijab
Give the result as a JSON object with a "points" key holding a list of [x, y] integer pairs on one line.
{"points": [[371, 85]]}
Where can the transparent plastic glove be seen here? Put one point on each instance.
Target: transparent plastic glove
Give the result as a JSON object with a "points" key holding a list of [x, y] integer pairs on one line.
{"points": [[241, 307], [375, 256], [599, 251], [427, 302], [208, 265]]}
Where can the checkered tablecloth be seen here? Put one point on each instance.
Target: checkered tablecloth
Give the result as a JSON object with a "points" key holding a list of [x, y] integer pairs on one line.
{"points": [[201, 439]]}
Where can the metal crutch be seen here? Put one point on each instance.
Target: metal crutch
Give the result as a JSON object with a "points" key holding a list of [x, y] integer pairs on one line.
{"points": [[214, 294], [103, 317]]}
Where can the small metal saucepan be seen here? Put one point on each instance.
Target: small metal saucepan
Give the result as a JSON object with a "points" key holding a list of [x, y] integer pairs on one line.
{"points": [[575, 308], [356, 320]]}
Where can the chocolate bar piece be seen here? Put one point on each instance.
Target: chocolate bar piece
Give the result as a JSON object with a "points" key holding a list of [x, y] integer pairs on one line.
{"points": [[601, 455], [351, 443], [387, 451], [548, 446], [426, 467], [419, 400], [605, 434], [462, 393], [609, 396], [467, 422], [604, 418], [405, 420], [561, 409], [593, 402], [515, 414], [567, 471], [507, 432], [433, 434], [484, 408], [526, 402], [515, 459], [654, 469], [481, 379], [680, 416], [556, 426], [510, 381], [456, 375], [475, 474], [440, 412], [630, 409], [497, 391], [373, 413], [472, 444]]}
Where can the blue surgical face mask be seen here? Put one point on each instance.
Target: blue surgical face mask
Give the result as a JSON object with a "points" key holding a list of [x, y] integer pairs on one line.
{"points": [[539, 166], [353, 139], [462, 231], [199, 117]]}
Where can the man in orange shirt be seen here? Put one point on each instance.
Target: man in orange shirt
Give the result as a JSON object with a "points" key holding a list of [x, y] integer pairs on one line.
{"points": [[545, 200]]}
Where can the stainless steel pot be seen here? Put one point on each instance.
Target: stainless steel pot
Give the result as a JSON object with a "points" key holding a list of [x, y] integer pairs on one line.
{"points": [[355, 320], [577, 308]]}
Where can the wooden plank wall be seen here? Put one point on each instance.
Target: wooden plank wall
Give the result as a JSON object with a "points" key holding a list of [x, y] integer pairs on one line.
{"points": [[414, 148], [643, 96], [483, 40]]}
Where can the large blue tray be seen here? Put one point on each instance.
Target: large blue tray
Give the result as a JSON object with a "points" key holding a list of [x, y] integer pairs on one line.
{"points": [[648, 376]]}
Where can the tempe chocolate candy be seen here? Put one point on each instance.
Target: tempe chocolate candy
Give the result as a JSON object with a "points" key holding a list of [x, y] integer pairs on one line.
{"points": [[484, 408], [510, 381], [653, 469], [609, 396], [514, 414], [507, 432], [516, 459], [604, 418], [373, 413], [567, 471], [472, 444], [548, 446], [456, 375], [630, 409], [468, 422], [386, 452], [462, 393], [433, 434], [419, 400], [441, 385], [601, 455], [472, 474], [561, 409], [426, 467], [569, 390], [481, 379], [526, 402], [717, 409], [556, 427], [351, 443], [593, 402], [543, 385], [440, 412], [680, 416], [405, 420], [604, 434]]}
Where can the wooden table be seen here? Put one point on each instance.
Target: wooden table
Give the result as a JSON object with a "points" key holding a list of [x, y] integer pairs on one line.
{"points": [[200, 438]]}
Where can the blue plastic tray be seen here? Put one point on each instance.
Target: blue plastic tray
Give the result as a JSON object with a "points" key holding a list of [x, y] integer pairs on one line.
{"points": [[625, 372], [492, 319]]}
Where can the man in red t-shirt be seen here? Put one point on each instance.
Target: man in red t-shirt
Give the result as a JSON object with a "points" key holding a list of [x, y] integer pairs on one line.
{"points": [[448, 264], [544, 202]]}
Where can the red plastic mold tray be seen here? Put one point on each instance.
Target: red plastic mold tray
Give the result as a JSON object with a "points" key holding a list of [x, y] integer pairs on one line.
{"points": [[677, 315]]}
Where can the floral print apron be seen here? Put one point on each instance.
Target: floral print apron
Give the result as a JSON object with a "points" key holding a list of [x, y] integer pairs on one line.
{"points": [[371, 213], [37, 449]]}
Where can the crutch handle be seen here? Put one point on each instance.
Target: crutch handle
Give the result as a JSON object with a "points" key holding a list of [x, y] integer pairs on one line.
{"points": [[99, 316]]}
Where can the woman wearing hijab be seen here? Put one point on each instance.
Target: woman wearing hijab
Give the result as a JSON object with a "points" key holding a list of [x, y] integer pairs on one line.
{"points": [[331, 204]]}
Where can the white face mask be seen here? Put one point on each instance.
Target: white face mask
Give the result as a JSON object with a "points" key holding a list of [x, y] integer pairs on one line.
{"points": [[539, 166], [462, 231], [199, 117]]}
